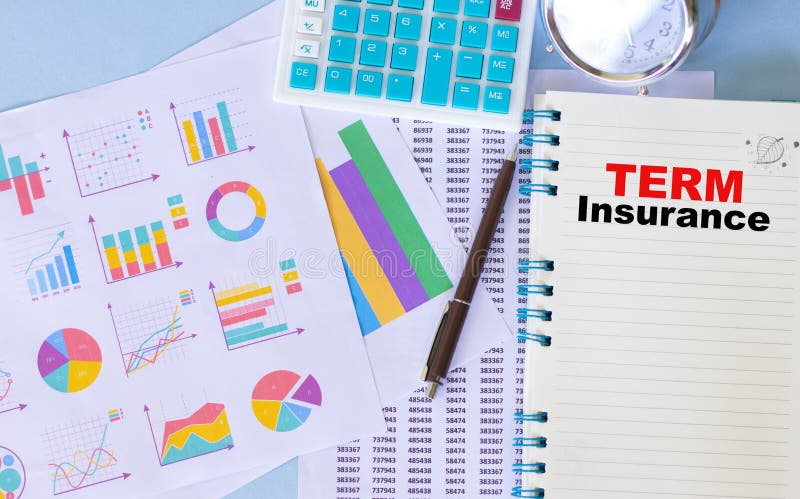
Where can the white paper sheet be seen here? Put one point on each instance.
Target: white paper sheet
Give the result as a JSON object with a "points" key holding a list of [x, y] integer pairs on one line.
{"points": [[129, 338]]}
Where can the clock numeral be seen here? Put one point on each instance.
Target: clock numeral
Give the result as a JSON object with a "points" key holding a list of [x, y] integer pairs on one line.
{"points": [[665, 30], [629, 53], [668, 5], [649, 44]]}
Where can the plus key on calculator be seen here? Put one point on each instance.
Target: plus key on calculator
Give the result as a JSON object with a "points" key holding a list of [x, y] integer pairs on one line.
{"points": [[458, 61]]}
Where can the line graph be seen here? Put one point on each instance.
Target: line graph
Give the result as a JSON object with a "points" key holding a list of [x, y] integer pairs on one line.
{"points": [[81, 455], [149, 334], [8, 392], [44, 261]]}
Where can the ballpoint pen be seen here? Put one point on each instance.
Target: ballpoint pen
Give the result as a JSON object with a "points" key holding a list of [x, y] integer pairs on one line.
{"points": [[455, 312]]}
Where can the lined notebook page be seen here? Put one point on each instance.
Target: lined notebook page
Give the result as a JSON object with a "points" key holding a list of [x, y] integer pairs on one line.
{"points": [[672, 370]]}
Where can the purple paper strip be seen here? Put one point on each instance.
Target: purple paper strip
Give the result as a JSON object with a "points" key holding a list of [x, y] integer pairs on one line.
{"points": [[379, 236]]}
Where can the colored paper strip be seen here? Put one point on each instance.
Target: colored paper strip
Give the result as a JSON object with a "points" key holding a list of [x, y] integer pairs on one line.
{"points": [[227, 128], [367, 319], [216, 136], [205, 144], [357, 253], [35, 179], [62, 271], [244, 296], [395, 208], [73, 270], [191, 140], [379, 235]]}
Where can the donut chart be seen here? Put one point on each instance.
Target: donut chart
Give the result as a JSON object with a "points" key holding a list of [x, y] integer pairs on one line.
{"points": [[69, 360], [283, 400], [12, 474], [218, 228]]}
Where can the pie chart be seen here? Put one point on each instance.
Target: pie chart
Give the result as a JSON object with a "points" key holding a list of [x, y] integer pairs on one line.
{"points": [[69, 360], [283, 400]]}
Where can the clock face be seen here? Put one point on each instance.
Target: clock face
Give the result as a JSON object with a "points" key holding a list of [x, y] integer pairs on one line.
{"points": [[621, 36]]}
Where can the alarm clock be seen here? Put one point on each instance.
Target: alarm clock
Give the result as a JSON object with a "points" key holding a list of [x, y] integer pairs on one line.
{"points": [[627, 42]]}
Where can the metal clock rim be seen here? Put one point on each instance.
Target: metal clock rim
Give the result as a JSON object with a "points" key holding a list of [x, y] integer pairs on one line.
{"points": [[690, 35]]}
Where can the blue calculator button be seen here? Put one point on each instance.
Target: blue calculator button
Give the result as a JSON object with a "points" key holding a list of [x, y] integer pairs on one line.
{"points": [[473, 34], [407, 26], [337, 80], [376, 22], [465, 96], [500, 69], [399, 87], [469, 64], [380, 2], [446, 6], [343, 49], [436, 84], [495, 100], [345, 18], [304, 75], [404, 56], [504, 38], [369, 83], [443, 30], [373, 53], [476, 8], [411, 4]]}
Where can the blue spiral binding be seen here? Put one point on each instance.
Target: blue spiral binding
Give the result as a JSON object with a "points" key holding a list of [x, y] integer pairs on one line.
{"points": [[538, 442], [525, 266], [534, 289], [527, 493]]}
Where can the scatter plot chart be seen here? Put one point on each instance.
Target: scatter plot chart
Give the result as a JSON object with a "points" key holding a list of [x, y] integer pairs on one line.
{"points": [[12, 474], [212, 126], [151, 334], [82, 455], [283, 400], [188, 428], [110, 156], [45, 262]]}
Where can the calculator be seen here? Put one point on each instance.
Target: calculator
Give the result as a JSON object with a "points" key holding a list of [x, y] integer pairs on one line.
{"points": [[458, 61]]}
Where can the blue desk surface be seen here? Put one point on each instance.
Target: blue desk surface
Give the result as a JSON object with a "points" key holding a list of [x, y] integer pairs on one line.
{"points": [[50, 48]]}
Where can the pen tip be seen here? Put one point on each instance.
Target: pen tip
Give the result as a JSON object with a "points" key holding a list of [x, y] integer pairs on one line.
{"points": [[512, 156], [432, 386]]}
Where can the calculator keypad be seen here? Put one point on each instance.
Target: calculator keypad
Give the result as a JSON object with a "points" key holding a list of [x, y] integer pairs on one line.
{"points": [[457, 54]]}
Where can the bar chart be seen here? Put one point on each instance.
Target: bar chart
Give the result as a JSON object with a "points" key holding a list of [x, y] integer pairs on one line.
{"points": [[25, 178], [212, 126], [45, 262], [109, 155], [134, 251], [249, 312]]}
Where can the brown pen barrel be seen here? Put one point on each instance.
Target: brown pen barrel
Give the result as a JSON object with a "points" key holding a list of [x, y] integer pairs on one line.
{"points": [[446, 341]]}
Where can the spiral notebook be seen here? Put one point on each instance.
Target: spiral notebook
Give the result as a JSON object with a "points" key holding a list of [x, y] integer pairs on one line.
{"points": [[663, 299]]}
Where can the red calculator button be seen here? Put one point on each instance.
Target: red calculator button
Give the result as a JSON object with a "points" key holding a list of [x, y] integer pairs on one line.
{"points": [[508, 10]]}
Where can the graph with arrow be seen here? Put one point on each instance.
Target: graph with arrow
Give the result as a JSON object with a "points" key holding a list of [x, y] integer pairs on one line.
{"points": [[8, 392], [25, 178], [250, 312], [133, 252], [45, 262], [110, 155], [82, 455], [151, 334], [194, 433], [212, 126]]}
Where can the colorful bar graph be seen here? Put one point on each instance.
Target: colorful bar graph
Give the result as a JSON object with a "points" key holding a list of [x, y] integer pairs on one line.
{"points": [[112, 257], [62, 271], [35, 179], [26, 181], [191, 140], [129, 253], [205, 144], [145, 249], [73, 270], [162, 247], [248, 313], [216, 136], [225, 118], [139, 256], [20, 186], [390, 264]]}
